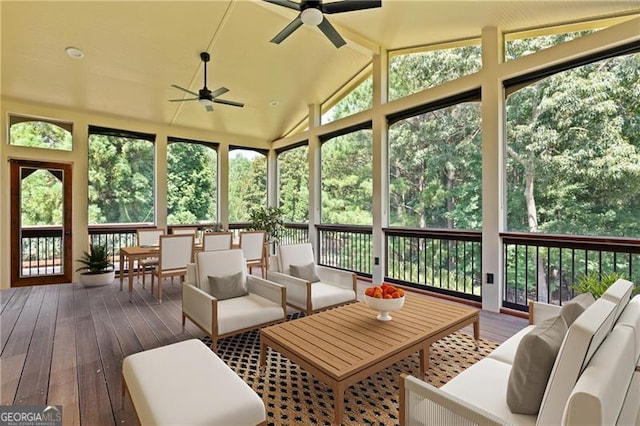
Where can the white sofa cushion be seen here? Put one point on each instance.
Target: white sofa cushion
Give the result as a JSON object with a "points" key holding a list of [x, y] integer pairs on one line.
{"points": [[598, 395], [506, 352], [245, 312], [484, 385], [631, 317], [186, 384], [630, 413], [582, 339], [619, 293]]}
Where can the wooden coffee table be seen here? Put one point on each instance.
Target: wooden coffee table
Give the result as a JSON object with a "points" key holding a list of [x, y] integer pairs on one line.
{"points": [[345, 345]]}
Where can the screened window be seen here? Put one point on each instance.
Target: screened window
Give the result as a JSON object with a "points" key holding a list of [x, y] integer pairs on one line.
{"points": [[359, 99], [526, 46], [121, 176], [435, 168], [192, 182], [347, 177], [36, 133], [293, 184], [573, 149], [414, 72], [247, 183]]}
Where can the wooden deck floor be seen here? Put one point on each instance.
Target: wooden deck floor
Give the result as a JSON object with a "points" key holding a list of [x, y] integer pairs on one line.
{"points": [[64, 344]]}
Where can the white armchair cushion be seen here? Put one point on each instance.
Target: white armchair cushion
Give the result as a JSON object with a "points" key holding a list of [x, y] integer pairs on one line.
{"points": [[245, 312], [218, 264], [619, 293], [294, 254], [324, 294]]}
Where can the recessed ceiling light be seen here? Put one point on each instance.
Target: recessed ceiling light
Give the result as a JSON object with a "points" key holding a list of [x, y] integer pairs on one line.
{"points": [[74, 52], [273, 103]]}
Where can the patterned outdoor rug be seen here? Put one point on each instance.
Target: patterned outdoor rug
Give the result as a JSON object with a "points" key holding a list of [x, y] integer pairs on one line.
{"points": [[294, 397]]}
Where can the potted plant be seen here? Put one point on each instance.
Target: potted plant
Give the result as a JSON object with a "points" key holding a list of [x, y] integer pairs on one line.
{"points": [[595, 283], [98, 268], [268, 219]]}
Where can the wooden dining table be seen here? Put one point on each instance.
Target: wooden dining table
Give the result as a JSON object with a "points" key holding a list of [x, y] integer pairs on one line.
{"points": [[131, 254]]}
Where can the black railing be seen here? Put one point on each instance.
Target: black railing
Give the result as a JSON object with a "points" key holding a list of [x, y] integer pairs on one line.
{"points": [[444, 261], [41, 250], [295, 233], [545, 267], [347, 247]]}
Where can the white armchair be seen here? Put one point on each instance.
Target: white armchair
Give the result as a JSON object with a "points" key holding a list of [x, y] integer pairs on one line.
{"points": [[264, 304], [335, 287]]}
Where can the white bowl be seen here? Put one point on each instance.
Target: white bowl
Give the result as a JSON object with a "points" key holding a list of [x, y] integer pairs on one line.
{"points": [[384, 306]]}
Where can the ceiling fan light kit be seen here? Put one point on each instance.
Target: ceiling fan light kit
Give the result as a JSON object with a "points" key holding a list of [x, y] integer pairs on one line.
{"points": [[312, 14]]}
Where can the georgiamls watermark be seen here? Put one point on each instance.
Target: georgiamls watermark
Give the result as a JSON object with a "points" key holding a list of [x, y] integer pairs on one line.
{"points": [[30, 415]]}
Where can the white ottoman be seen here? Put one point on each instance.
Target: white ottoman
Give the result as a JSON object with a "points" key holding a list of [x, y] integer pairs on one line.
{"points": [[187, 384]]}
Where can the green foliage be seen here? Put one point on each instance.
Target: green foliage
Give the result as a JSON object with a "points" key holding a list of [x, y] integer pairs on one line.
{"points": [[247, 184], [293, 170], [596, 283], [268, 219], [191, 183], [121, 180], [40, 134], [96, 261]]}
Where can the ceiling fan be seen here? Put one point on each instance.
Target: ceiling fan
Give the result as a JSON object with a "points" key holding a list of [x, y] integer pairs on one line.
{"points": [[312, 13], [205, 96]]}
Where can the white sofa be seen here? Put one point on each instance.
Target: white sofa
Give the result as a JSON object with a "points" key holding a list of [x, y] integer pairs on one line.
{"points": [[594, 379]]}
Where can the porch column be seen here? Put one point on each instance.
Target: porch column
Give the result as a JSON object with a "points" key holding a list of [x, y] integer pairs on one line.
{"points": [[161, 180], [223, 185], [493, 168], [315, 114], [380, 165]]}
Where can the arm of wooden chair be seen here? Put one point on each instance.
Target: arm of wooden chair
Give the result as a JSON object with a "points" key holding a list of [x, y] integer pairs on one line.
{"points": [[198, 306], [191, 275], [424, 404], [267, 289]]}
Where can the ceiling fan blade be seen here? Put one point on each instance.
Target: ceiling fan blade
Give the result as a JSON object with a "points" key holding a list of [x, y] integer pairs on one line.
{"points": [[331, 33], [222, 101], [209, 108], [285, 3], [180, 100], [294, 25], [218, 92], [184, 90], [349, 5]]}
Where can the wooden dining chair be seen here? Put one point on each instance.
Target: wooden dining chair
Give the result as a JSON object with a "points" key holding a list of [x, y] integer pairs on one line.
{"points": [[189, 230], [147, 237], [175, 252], [253, 247], [212, 241]]}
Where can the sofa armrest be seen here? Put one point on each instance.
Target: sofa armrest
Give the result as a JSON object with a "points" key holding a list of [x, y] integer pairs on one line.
{"points": [[424, 404], [267, 289], [539, 311], [198, 306], [344, 279]]}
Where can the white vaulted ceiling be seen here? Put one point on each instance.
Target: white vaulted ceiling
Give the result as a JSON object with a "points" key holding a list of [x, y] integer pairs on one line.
{"points": [[136, 50]]}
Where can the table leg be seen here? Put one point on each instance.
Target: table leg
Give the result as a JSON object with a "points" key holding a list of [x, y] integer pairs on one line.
{"points": [[425, 354], [121, 268], [476, 333], [130, 263], [262, 364], [338, 403]]}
